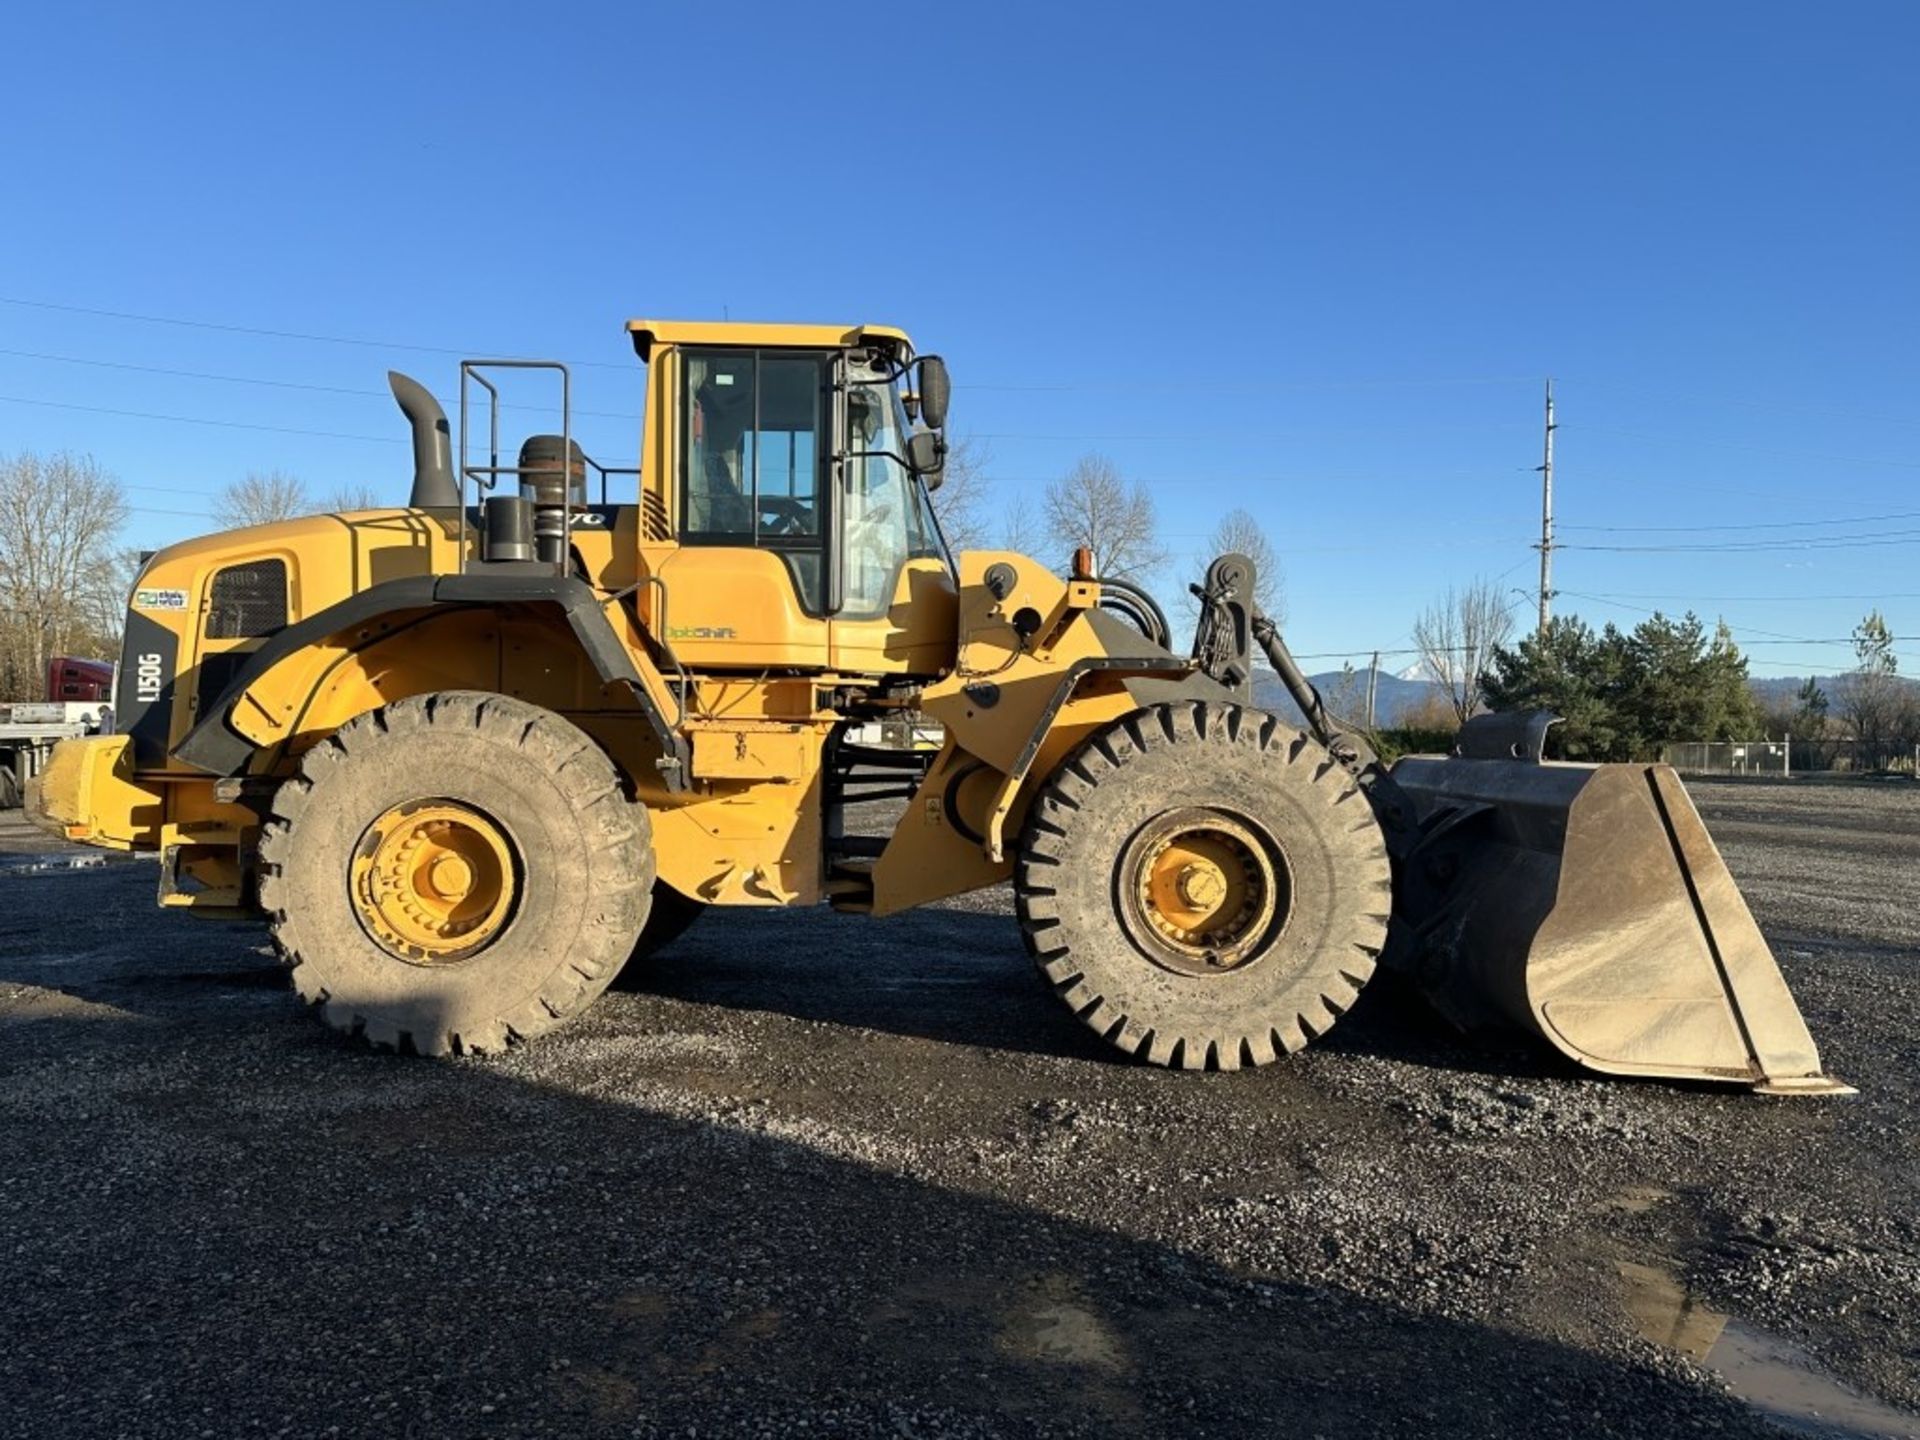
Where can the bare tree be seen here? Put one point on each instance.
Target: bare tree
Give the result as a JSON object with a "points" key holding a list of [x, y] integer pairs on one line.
{"points": [[1345, 697], [1432, 711], [347, 498], [1020, 528], [1904, 724], [104, 599], [57, 521], [1092, 506], [962, 498], [262, 497], [1239, 532], [1456, 638]]}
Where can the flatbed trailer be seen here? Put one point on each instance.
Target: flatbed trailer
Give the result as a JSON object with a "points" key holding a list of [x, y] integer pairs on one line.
{"points": [[78, 702]]}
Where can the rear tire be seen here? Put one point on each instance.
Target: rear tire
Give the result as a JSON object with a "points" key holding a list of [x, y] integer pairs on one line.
{"points": [[551, 872], [9, 786], [1204, 886]]}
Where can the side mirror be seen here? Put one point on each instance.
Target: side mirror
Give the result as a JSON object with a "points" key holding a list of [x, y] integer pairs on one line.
{"points": [[935, 390], [927, 454]]}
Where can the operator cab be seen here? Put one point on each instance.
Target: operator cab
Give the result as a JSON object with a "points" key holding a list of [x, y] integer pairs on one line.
{"points": [[795, 487]]}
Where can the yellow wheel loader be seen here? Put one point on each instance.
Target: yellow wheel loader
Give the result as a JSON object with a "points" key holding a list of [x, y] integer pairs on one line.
{"points": [[472, 756]]}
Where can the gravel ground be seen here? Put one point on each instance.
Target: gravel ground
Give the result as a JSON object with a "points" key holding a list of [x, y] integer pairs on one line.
{"points": [[834, 1176]]}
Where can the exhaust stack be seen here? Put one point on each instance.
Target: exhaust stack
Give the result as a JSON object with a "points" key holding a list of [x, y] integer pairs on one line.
{"points": [[434, 487]]}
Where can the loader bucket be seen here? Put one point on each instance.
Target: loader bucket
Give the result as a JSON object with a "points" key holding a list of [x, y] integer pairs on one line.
{"points": [[1588, 905]]}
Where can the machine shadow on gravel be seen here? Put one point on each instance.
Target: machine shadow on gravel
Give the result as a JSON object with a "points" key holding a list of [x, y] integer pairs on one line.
{"points": [[959, 976], [219, 1215]]}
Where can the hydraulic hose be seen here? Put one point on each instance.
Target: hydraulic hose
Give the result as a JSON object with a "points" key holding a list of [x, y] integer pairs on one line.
{"points": [[1143, 609]]}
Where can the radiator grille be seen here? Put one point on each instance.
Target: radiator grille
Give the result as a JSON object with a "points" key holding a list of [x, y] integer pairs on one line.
{"points": [[248, 600]]}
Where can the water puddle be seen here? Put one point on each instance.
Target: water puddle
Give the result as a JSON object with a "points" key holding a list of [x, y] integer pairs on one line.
{"points": [[1055, 1325], [1778, 1379], [1066, 1334]]}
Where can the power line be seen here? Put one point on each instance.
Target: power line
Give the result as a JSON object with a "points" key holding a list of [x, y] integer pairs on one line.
{"points": [[199, 420], [1796, 491], [1754, 525], [1229, 387], [1761, 449], [1210, 386], [1752, 547], [1160, 482], [449, 401], [1758, 599], [1770, 637], [1206, 385], [1771, 405], [386, 395], [271, 334]]}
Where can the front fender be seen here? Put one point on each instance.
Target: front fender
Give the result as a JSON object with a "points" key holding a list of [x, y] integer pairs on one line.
{"points": [[1040, 667]]}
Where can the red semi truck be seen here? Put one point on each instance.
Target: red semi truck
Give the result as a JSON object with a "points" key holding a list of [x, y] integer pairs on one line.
{"points": [[78, 701]]}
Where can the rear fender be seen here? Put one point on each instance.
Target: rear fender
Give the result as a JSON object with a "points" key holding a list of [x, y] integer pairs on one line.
{"points": [[265, 703]]}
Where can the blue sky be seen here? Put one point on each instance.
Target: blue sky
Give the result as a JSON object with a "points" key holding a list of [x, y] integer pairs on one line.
{"points": [[1313, 260]]}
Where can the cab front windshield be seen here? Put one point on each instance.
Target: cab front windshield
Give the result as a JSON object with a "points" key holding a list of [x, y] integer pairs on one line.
{"points": [[889, 517]]}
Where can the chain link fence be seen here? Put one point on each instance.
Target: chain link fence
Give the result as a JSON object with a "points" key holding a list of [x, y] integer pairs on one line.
{"points": [[1745, 757], [1785, 757]]}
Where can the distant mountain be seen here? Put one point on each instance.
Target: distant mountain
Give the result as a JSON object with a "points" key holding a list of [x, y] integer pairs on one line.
{"points": [[1395, 696], [1785, 689], [1401, 695], [1775, 689]]}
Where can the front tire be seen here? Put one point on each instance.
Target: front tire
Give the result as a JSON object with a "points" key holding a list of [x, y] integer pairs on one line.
{"points": [[455, 872], [1204, 886], [672, 915]]}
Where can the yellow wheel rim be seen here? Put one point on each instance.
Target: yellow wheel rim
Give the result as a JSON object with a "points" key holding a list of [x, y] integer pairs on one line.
{"points": [[433, 881], [1205, 892]]}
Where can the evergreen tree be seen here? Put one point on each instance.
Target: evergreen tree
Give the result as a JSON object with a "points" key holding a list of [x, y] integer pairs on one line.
{"points": [[1678, 685], [1809, 720], [1622, 697], [1574, 673], [1873, 699]]}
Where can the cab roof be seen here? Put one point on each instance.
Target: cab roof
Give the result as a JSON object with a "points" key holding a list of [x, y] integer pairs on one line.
{"points": [[750, 335]]}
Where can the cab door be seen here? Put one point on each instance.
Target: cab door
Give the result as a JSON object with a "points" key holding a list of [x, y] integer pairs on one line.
{"points": [[748, 585]]}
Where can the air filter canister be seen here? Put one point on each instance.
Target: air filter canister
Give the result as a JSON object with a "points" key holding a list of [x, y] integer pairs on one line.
{"points": [[541, 478]]}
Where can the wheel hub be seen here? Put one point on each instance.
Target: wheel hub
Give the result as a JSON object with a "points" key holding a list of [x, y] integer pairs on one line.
{"points": [[433, 881], [1203, 886], [1202, 891]]}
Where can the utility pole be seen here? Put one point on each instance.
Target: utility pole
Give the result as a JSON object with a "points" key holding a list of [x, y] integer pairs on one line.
{"points": [[1373, 685], [1546, 519]]}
